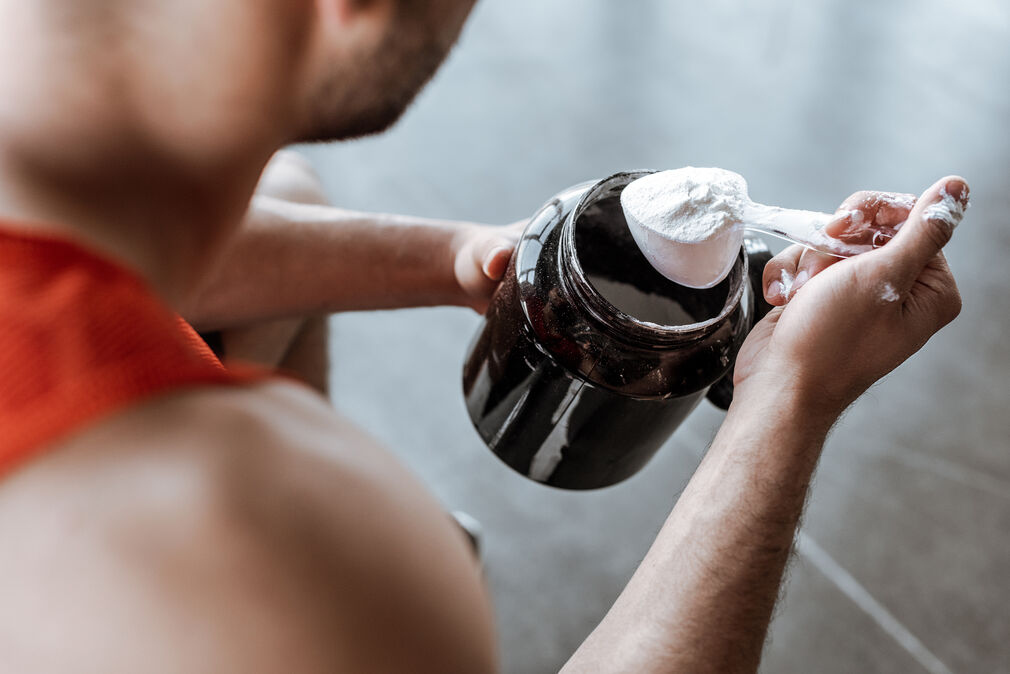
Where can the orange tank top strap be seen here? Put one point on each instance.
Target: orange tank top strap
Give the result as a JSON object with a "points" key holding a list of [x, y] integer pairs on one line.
{"points": [[82, 337]]}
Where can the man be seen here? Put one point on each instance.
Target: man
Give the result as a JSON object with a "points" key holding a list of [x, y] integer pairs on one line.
{"points": [[161, 514]]}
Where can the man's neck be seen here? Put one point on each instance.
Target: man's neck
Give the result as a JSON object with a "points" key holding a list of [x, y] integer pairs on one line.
{"points": [[164, 222], [107, 145]]}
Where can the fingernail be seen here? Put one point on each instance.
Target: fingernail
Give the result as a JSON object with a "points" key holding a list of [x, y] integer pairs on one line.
{"points": [[802, 277], [491, 257], [857, 217], [958, 190], [774, 290]]}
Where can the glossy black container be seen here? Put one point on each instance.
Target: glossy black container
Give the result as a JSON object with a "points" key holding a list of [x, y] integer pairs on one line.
{"points": [[561, 381]]}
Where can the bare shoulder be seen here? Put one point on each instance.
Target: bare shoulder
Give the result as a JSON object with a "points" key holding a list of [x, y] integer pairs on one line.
{"points": [[233, 530]]}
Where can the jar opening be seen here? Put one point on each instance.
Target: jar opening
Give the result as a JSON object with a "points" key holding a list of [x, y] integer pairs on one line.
{"points": [[613, 277]]}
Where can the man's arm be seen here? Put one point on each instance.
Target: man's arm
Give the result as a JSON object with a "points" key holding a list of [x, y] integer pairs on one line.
{"points": [[298, 257], [703, 596]]}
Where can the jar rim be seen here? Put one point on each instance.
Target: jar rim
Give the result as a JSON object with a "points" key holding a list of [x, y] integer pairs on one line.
{"points": [[605, 311]]}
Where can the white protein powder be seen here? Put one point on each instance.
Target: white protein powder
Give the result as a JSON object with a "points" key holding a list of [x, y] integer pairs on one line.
{"points": [[786, 281], [688, 204], [888, 294], [947, 211], [686, 221]]}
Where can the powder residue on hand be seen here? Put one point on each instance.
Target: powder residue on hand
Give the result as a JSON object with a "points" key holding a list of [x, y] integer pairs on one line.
{"points": [[948, 211], [904, 202], [688, 205], [786, 281]]}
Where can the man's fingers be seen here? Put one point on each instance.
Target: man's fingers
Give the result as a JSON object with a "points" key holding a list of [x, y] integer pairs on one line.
{"points": [[811, 264], [493, 252], [870, 218], [869, 202], [788, 271], [492, 256], [496, 262], [929, 227], [847, 224], [780, 275], [893, 213]]}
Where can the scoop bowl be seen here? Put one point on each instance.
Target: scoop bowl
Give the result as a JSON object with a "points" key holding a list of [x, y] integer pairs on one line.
{"points": [[693, 264]]}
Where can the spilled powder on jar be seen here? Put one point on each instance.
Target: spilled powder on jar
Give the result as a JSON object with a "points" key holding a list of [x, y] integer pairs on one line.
{"points": [[948, 210]]}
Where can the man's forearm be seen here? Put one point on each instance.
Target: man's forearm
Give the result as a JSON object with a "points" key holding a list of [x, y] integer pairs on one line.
{"points": [[295, 259], [703, 596]]}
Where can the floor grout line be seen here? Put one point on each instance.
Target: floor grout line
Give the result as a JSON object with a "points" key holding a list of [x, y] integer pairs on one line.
{"points": [[860, 596]]}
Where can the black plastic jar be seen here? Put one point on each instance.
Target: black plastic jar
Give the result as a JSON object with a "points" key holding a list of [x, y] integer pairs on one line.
{"points": [[589, 359]]}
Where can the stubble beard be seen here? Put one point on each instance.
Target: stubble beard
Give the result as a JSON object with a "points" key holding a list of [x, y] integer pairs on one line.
{"points": [[370, 95]]}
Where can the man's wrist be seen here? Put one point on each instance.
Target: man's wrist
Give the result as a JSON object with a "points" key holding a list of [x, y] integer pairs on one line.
{"points": [[783, 399]]}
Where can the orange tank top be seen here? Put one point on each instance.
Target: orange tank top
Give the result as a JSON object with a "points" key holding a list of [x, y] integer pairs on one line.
{"points": [[81, 338]]}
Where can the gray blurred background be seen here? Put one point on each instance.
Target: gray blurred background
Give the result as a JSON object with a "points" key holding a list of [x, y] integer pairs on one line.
{"points": [[904, 555]]}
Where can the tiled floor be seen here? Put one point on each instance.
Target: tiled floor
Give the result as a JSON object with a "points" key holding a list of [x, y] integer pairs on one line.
{"points": [[904, 563]]}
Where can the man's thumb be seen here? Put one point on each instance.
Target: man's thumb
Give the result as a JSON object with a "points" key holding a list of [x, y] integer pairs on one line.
{"points": [[929, 227]]}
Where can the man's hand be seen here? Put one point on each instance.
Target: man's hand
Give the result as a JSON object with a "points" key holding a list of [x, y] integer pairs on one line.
{"points": [[843, 324], [481, 255], [702, 597]]}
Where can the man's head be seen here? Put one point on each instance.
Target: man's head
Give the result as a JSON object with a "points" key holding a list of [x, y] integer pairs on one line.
{"points": [[130, 117], [212, 70], [370, 58]]}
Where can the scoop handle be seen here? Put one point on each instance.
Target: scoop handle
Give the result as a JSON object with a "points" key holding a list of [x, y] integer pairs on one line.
{"points": [[803, 227]]}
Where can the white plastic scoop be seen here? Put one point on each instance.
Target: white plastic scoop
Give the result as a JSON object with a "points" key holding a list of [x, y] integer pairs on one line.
{"points": [[689, 223]]}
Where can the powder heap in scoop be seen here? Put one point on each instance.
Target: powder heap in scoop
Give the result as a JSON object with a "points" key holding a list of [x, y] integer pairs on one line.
{"points": [[687, 204], [686, 222]]}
